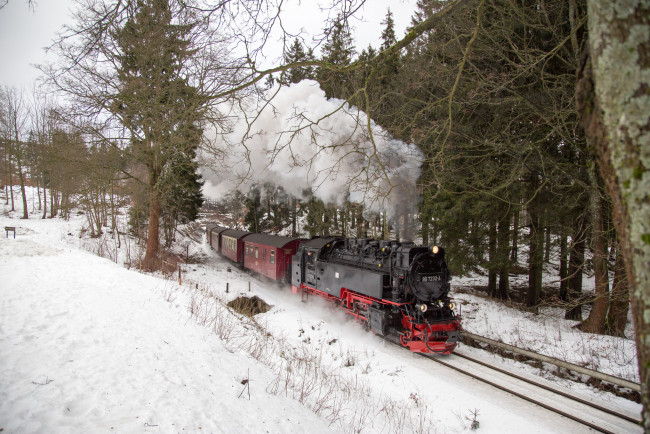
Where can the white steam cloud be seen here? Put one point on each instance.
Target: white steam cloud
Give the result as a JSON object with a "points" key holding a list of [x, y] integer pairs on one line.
{"points": [[302, 140]]}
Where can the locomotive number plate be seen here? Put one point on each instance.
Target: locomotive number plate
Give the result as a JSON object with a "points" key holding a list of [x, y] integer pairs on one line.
{"points": [[432, 278]]}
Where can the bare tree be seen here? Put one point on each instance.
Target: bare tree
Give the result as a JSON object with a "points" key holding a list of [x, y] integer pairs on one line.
{"points": [[14, 118]]}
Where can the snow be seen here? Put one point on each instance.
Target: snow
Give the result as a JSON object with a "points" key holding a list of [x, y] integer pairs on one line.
{"points": [[90, 346]]}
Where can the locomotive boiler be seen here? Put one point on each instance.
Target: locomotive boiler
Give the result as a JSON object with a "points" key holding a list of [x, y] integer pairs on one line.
{"points": [[396, 288]]}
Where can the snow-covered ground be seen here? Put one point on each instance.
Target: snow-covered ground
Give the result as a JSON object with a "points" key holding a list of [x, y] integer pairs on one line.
{"points": [[90, 346]]}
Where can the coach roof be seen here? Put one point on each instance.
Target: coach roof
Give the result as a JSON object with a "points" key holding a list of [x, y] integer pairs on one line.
{"points": [[234, 233], [214, 228], [270, 240]]}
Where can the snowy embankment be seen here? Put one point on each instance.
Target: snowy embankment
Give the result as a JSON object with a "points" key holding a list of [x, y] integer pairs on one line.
{"points": [[89, 346]]}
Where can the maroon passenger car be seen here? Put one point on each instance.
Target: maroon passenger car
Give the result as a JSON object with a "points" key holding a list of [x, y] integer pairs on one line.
{"points": [[232, 244], [212, 231], [270, 255]]}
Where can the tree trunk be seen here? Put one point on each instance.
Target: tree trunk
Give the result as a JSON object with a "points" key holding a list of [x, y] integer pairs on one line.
{"points": [[52, 195], [425, 230], [595, 322], [576, 264], [11, 186], [564, 296], [492, 260], [44, 200], [21, 178], [151, 260], [535, 256], [294, 216], [503, 248], [620, 300], [614, 109], [7, 170], [547, 243], [38, 191], [515, 236]]}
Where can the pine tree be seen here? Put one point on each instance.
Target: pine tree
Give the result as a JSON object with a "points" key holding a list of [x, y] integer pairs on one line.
{"points": [[338, 51], [156, 103], [388, 37], [297, 53], [254, 218]]}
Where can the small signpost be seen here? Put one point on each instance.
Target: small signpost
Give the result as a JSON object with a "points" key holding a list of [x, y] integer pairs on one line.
{"points": [[10, 229]]}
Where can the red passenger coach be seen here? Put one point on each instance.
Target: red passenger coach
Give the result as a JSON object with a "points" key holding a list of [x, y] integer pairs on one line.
{"points": [[232, 244], [270, 255], [212, 232]]}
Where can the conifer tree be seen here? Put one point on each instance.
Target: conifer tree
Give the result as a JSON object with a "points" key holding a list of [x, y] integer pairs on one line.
{"points": [[155, 101], [339, 51], [297, 53]]}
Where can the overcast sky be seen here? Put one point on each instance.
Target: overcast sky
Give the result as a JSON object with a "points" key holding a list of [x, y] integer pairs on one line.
{"points": [[25, 33]]}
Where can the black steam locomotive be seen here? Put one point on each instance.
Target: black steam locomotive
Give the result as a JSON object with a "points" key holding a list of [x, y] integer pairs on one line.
{"points": [[396, 289]]}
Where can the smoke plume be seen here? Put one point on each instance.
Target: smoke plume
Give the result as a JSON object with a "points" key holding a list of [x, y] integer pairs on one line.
{"points": [[298, 139]]}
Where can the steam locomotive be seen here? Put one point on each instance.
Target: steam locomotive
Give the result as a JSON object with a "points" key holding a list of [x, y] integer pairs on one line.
{"points": [[395, 289]]}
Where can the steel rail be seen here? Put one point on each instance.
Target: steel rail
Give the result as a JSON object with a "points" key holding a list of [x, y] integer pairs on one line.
{"points": [[541, 357], [524, 397], [591, 425], [550, 389]]}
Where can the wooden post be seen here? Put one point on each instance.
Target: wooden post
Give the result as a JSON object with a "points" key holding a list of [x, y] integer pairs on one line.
{"points": [[249, 286], [179, 274], [227, 285]]}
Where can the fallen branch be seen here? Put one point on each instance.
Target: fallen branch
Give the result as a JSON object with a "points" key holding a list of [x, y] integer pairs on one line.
{"points": [[47, 381], [247, 385]]}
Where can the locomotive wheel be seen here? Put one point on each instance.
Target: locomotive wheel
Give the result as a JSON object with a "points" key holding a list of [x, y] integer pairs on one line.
{"points": [[404, 339]]}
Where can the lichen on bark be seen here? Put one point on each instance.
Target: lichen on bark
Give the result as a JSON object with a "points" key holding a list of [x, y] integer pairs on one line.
{"points": [[619, 39]]}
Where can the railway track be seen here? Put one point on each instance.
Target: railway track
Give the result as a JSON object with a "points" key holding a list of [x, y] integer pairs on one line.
{"points": [[582, 411]]}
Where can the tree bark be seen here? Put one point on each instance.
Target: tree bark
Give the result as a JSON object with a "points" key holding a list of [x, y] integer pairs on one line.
{"points": [[151, 261], [614, 108], [21, 178], [535, 256], [576, 264], [44, 200], [515, 236], [503, 248], [620, 300], [595, 322], [563, 266], [492, 261]]}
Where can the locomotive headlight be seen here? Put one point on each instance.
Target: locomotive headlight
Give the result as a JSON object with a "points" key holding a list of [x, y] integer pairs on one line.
{"points": [[452, 305], [434, 249], [423, 307]]}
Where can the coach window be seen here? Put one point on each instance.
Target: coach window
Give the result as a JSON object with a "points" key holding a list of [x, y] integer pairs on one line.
{"points": [[272, 259], [257, 252]]}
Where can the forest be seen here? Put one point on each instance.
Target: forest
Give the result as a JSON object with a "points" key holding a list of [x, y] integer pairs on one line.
{"points": [[531, 116]]}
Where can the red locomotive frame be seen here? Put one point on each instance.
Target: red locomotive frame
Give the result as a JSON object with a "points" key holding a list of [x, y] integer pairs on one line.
{"points": [[415, 335]]}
